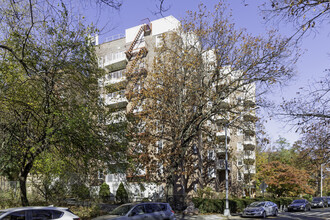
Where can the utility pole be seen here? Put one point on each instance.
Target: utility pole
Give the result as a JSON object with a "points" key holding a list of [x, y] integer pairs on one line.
{"points": [[321, 178]]}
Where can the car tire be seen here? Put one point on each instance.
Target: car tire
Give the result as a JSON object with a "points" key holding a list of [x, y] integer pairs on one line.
{"points": [[276, 212], [264, 215]]}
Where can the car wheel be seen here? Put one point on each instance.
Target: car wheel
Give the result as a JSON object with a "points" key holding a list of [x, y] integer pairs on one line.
{"points": [[276, 212], [264, 215]]}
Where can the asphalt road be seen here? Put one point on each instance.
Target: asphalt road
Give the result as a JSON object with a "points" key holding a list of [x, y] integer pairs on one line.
{"points": [[314, 214]]}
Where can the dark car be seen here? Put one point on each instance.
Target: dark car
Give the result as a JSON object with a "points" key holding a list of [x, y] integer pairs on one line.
{"points": [[328, 199], [260, 209], [141, 211], [326, 204], [299, 205], [319, 202]]}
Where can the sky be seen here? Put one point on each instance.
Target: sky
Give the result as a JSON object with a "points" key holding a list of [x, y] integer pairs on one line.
{"points": [[246, 14]]}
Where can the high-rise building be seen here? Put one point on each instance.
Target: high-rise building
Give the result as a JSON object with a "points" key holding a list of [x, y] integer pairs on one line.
{"points": [[126, 58]]}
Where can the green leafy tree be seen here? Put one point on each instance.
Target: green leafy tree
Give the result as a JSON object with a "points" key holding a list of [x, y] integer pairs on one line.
{"points": [[104, 191], [121, 194], [49, 98]]}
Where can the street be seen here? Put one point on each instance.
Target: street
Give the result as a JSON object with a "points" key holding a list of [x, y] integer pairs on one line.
{"points": [[314, 214]]}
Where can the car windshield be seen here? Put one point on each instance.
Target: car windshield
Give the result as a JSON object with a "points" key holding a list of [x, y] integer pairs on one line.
{"points": [[257, 204], [298, 201], [317, 199], [121, 210]]}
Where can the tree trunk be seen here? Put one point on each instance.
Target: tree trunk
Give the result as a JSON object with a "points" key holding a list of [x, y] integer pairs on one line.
{"points": [[23, 194], [22, 183]]}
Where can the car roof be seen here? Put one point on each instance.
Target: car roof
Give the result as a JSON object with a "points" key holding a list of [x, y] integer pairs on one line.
{"points": [[34, 208]]}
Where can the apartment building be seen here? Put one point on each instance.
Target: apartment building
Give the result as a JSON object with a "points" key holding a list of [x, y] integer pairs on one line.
{"points": [[126, 58]]}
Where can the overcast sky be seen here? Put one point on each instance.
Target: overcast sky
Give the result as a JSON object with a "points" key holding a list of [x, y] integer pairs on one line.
{"points": [[246, 14]]}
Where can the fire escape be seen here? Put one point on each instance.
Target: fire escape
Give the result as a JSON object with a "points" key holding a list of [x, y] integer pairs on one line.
{"points": [[133, 71]]}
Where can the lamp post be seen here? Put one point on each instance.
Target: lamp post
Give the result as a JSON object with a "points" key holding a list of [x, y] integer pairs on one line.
{"points": [[321, 178], [227, 211]]}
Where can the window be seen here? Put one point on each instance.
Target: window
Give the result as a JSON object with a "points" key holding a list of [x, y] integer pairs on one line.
{"points": [[239, 146], [150, 208], [138, 210], [41, 214], [160, 168], [239, 176], [239, 162], [211, 172], [15, 216], [100, 174], [239, 100], [195, 149], [211, 155], [159, 41], [100, 62], [159, 146]]}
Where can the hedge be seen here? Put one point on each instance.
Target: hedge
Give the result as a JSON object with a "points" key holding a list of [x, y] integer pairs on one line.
{"points": [[235, 205]]}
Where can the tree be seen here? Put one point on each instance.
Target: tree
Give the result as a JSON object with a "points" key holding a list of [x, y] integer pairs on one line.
{"points": [[121, 194], [304, 14], [197, 69], [104, 191], [284, 180], [49, 94]]}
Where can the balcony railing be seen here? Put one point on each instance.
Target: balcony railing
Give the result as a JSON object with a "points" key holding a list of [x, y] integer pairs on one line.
{"points": [[221, 165], [114, 37], [249, 169]]}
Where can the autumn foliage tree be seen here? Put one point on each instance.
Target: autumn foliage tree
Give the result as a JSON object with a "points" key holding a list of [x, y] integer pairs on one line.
{"points": [[198, 68], [284, 180]]}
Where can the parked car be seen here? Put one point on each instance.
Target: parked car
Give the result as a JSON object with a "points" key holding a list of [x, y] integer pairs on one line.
{"points": [[299, 205], [38, 213], [139, 211], [326, 204], [261, 209], [328, 199], [319, 202]]}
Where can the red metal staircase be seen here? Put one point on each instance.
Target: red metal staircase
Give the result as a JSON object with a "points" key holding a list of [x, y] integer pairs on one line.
{"points": [[132, 72]]}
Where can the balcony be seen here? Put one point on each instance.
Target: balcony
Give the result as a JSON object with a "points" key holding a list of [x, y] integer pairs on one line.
{"points": [[115, 78], [249, 145], [221, 165], [220, 150], [116, 99], [249, 161], [249, 132], [249, 169], [220, 135], [249, 155], [220, 120]]}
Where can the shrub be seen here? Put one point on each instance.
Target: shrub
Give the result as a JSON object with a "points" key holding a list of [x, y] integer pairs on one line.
{"points": [[80, 191], [104, 192], [121, 194]]}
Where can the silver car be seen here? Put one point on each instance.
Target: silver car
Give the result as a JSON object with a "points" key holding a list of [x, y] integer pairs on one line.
{"points": [[261, 209], [37, 213], [145, 211]]}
